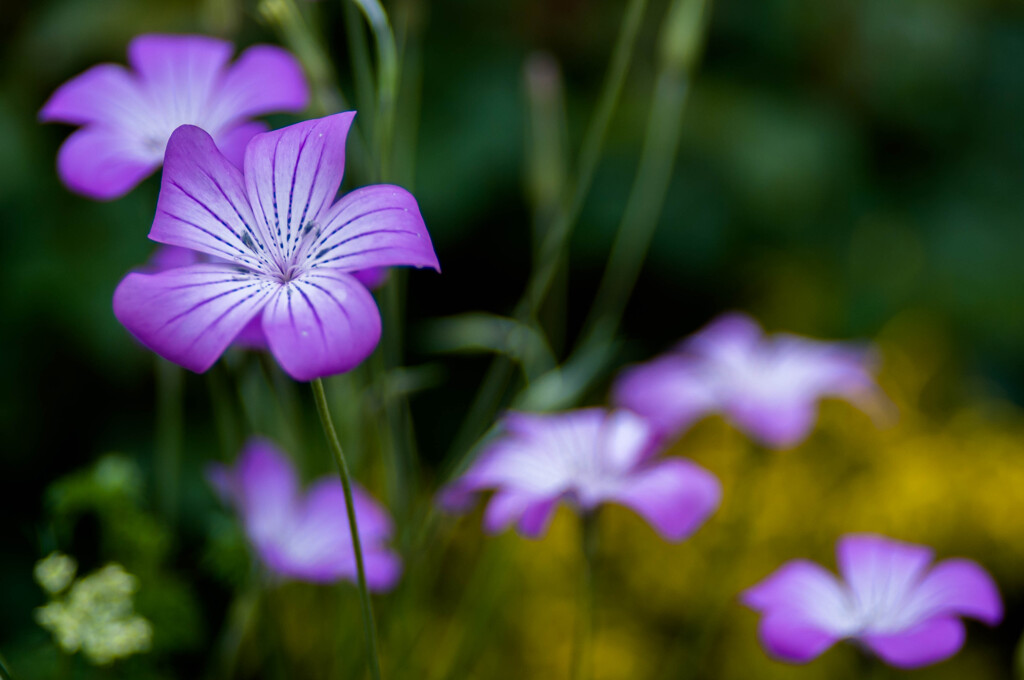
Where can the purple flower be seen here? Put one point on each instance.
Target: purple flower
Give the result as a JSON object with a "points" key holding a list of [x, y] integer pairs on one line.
{"points": [[587, 457], [305, 537], [889, 600], [251, 336], [768, 386], [287, 251], [128, 116]]}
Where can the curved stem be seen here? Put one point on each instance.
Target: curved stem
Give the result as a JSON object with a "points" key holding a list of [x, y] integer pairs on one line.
{"points": [[346, 484], [387, 80]]}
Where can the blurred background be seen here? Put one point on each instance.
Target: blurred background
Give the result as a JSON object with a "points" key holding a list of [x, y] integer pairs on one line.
{"points": [[847, 169]]}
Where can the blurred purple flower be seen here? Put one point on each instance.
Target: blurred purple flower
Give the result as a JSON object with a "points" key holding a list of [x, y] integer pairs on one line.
{"points": [[889, 600], [768, 386], [287, 251], [299, 536], [128, 115], [586, 457]]}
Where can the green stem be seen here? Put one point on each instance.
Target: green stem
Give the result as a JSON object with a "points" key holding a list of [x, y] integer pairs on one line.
{"points": [[387, 80], [553, 244], [169, 383], [582, 656], [557, 236], [681, 38], [359, 53], [339, 457]]}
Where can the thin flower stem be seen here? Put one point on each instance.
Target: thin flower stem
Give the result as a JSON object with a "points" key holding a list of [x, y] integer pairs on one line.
{"points": [[373, 658], [582, 656]]}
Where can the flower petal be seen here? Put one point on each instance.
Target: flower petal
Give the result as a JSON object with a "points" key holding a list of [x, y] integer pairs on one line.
{"points": [[781, 422], [262, 487], [505, 507], [203, 204], [625, 440], [880, 571], [788, 637], [106, 94], [101, 163], [292, 176], [383, 569], [929, 642], [325, 507], [959, 586], [674, 495], [321, 324], [263, 79], [372, 278], [376, 226], [534, 521], [232, 142], [179, 72], [808, 592], [667, 391], [191, 314]]}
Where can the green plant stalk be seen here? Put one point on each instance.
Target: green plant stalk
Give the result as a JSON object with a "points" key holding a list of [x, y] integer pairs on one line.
{"points": [[680, 42], [387, 81], [359, 53], [581, 665], [327, 95], [557, 237], [169, 387], [373, 657], [327, 98], [488, 398]]}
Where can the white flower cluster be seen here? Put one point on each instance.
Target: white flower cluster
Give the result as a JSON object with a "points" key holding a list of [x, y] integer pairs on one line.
{"points": [[96, 615]]}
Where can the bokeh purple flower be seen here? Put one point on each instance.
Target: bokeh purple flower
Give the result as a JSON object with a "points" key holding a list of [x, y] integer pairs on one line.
{"points": [[889, 600], [768, 386], [585, 457], [287, 249], [305, 537], [127, 116]]}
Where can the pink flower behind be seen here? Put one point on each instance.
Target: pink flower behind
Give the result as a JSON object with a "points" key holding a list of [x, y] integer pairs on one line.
{"points": [[768, 386], [127, 116], [585, 457], [282, 251], [299, 536], [889, 599]]}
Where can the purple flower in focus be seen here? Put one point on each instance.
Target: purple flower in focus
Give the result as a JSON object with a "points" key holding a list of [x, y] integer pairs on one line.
{"points": [[127, 116], [889, 600], [768, 386], [251, 336], [586, 457], [305, 537], [287, 251]]}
